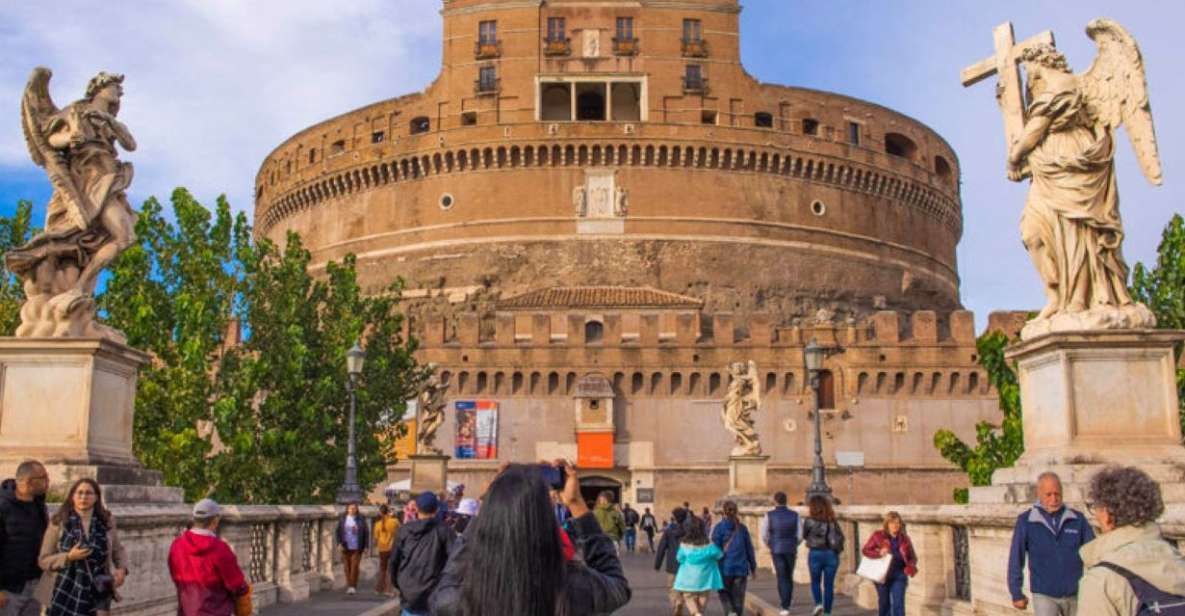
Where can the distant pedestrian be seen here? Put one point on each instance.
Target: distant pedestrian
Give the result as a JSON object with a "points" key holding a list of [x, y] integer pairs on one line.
{"points": [[385, 528], [824, 538], [81, 549], [354, 538], [1130, 566], [463, 515], [610, 519], [205, 570], [631, 519], [707, 518], [1049, 535], [781, 530], [23, 520], [739, 562], [668, 552], [420, 553], [891, 539], [649, 526], [515, 560], [699, 567]]}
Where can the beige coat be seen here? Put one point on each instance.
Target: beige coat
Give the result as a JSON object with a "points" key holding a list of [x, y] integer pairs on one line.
{"points": [[1139, 549], [51, 560]]}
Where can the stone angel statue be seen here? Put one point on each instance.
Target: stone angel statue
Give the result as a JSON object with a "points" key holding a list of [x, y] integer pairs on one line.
{"points": [[431, 406], [89, 222], [740, 403], [1071, 225]]}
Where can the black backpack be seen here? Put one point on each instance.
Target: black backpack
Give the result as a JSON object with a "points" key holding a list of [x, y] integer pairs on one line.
{"points": [[1153, 601]]}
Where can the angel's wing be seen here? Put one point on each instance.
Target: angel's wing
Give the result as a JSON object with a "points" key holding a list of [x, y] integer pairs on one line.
{"points": [[37, 109], [1117, 91]]}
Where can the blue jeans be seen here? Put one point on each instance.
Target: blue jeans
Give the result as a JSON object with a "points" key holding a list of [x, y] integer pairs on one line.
{"points": [[784, 571], [407, 613], [891, 595], [823, 564], [631, 538]]}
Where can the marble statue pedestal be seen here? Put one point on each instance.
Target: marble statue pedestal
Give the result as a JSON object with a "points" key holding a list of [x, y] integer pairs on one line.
{"points": [[429, 473], [1093, 398], [69, 402], [747, 476]]}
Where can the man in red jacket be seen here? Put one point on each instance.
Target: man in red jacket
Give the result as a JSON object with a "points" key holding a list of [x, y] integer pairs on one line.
{"points": [[205, 570]]}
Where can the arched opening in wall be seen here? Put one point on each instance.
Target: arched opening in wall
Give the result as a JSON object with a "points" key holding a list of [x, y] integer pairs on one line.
{"points": [[787, 383], [556, 103], [462, 382], [516, 383], [590, 101], [569, 383], [481, 383], [655, 383], [536, 378], [898, 382], [942, 169], [553, 383], [862, 383], [592, 486], [897, 144], [826, 390], [693, 385], [636, 383], [763, 119], [594, 331], [626, 101], [771, 381], [499, 382], [676, 383], [420, 124], [618, 382], [714, 384]]}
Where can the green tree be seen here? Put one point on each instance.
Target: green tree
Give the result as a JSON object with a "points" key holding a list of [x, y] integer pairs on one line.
{"points": [[15, 230], [996, 445], [263, 420], [1162, 289]]}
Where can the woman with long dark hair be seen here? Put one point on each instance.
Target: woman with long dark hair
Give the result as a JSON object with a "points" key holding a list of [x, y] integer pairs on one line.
{"points": [[740, 560], [515, 559], [824, 537], [82, 550]]}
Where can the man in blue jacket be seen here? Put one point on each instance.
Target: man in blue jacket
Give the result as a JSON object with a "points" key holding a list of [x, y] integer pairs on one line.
{"points": [[780, 532], [1049, 535]]}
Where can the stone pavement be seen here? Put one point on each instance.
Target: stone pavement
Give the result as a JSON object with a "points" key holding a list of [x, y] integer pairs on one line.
{"points": [[338, 603], [650, 593]]}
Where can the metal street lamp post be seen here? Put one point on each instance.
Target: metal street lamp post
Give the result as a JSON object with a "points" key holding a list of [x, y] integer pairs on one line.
{"points": [[813, 355], [350, 491]]}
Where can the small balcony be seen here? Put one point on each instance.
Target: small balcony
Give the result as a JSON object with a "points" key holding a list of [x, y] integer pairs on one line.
{"points": [[625, 46], [557, 47], [485, 50], [695, 85], [695, 48], [487, 87]]}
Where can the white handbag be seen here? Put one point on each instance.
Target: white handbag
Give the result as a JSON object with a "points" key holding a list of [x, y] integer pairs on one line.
{"points": [[875, 569]]}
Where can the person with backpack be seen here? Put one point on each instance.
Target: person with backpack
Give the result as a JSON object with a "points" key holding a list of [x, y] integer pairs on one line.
{"points": [[699, 567], [649, 526], [1130, 569], [419, 556], [1048, 535], [668, 552], [825, 539], [611, 521], [631, 518], [780, 532], [739, 562]]}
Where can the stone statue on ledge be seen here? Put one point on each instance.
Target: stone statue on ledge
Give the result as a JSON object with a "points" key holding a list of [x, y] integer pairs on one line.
{"points": [[740, 403], [1066, 145], [431, 414], [89, 222]]}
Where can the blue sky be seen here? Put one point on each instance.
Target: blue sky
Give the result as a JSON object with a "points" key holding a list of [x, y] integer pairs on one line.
{"points": [[213, 85]]}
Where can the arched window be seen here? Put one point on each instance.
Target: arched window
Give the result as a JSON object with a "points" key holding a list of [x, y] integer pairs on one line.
{"points": [[763, 119], [593, 331], [900, 145], [942, 168], [826, 390], [590, 105], [420, 124]]}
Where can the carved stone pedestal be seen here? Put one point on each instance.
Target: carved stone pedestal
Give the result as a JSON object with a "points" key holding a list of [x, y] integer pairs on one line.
{"points": [[429, 473], [69, 402], [747, 476], [1090, 399]]}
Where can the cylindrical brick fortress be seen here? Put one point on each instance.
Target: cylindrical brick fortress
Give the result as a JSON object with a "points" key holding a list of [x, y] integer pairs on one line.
{"points": [[575, 143]]}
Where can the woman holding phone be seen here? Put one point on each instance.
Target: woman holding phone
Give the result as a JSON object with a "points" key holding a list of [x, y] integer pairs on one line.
{"points": [[81, 549], [515, 559]]}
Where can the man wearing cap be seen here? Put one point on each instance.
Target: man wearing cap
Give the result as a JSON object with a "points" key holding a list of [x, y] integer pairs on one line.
{"points": [[420, 553], [205, 570]]}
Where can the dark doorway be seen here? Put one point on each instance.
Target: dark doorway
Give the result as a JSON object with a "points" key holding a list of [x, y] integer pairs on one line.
{"points": [[591, 487], [590, 104]]}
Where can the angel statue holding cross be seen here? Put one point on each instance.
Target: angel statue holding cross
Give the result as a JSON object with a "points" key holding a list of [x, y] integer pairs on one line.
{"points": [[1066, 145], [89, 221]]}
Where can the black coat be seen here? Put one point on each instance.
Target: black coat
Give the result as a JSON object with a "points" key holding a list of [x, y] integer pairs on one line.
{"points": [[595, 586], [668, 548], [417, 559], [22, 525], [363, 532]]}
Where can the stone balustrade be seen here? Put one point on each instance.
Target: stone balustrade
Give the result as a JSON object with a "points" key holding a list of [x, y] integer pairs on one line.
{"points": [[962, 554], [286, 552]]}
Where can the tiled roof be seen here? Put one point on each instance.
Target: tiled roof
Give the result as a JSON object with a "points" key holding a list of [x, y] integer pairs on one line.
{"points": [[599, 297]]}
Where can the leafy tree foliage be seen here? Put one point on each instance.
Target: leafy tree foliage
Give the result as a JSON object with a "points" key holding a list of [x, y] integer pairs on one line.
{"points": [[15, 230], [263, 419], [1162, 288]]}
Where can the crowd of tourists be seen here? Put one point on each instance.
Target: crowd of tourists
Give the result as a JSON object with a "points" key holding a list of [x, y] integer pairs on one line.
{"points": [[532, 545]]}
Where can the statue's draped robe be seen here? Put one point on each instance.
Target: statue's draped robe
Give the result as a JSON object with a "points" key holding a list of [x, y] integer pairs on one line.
{"points": [[1073, 206]]}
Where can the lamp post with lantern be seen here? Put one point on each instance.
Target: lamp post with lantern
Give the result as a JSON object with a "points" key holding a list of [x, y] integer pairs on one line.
{"points": [[350, 491], [813, 355]]}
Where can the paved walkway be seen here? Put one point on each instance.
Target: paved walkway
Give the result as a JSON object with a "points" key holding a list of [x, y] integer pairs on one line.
{"points": [[338, 603]]}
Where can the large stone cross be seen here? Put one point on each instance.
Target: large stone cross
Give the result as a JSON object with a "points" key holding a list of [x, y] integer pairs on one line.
{"points": [[1009, 90]]}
